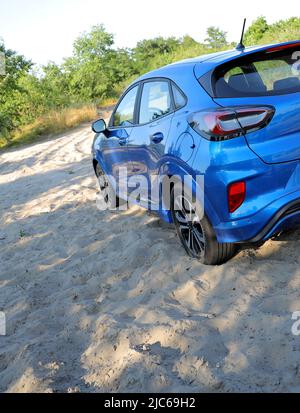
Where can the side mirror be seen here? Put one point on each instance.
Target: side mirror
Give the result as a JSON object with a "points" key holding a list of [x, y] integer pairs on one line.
{"points": [[99, 126]]}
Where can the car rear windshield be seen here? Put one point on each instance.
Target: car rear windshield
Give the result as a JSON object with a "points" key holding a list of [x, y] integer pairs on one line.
{"points": [[275, 71]]}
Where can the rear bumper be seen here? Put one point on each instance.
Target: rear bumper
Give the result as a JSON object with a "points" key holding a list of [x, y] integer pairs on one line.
{"points": [[278, 216]]}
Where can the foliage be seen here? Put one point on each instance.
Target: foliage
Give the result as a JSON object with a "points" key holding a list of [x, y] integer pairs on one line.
{"points": [[52, 122], [12, 92], [256, 31], [95, 66], [216, 38]]}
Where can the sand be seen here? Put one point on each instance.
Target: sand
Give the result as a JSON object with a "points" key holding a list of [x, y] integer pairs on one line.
{"points": [[101, 301]]}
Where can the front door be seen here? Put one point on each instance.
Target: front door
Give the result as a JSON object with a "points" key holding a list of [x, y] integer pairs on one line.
{"points": [[115, 148], [147, 141]]}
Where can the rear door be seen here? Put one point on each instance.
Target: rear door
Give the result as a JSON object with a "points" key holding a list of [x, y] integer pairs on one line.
{"points": [[271, 77]]}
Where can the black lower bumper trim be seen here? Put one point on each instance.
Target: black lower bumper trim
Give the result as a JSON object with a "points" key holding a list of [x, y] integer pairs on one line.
{"points": [[286, 211]]}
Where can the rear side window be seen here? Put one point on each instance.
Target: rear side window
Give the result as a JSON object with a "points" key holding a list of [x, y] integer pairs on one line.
{"points": [[273, 72], [179, 98]]}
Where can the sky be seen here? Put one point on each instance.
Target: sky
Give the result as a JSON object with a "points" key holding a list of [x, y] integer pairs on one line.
{"points": [[44, 30]]}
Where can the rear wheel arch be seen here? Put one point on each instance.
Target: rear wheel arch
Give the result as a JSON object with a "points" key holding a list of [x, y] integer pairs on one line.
{"points": [[175, 170]]}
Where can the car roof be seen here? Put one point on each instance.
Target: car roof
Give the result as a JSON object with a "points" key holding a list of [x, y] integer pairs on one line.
{"points": [[208, 62]]}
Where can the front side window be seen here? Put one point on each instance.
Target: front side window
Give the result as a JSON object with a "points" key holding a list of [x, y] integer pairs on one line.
{"points": [[156, 101], [124, 115], [260, 74]]}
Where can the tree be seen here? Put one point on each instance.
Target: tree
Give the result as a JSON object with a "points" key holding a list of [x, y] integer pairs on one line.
{"points": [[54, 86], [11, 89], [189, 42], [216, 38], [256, 31], [282, 31], [94, 44], [147, 50], [95, 67]]}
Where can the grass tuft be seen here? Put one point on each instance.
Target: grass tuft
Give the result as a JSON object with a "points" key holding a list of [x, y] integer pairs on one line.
{"points": [[53, 122]]}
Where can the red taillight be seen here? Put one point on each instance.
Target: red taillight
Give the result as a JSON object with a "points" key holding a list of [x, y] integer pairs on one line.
{"points": [[228, 123], [236, 195]]}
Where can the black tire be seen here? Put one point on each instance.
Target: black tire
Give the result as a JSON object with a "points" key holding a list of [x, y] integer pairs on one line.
{"points": [[111, 200], [198, 237]]}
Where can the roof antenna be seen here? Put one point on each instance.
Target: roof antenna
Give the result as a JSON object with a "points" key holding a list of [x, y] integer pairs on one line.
{"points": [[241, 46]]}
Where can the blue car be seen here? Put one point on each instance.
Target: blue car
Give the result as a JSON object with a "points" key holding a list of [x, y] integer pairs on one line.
{"points": [[232, 118]]}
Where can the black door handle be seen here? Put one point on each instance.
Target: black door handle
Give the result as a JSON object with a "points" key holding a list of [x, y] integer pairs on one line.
{"points": [[123, 141], [157, 137]]}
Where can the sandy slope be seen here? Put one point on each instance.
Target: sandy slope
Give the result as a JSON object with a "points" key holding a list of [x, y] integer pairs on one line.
{"points": [[110, 302]]}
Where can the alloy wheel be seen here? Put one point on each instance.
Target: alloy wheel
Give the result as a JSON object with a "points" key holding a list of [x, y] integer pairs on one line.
{"points": [[189, 227]]}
